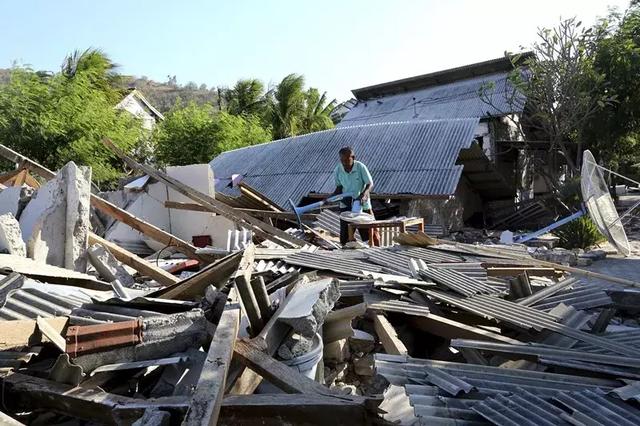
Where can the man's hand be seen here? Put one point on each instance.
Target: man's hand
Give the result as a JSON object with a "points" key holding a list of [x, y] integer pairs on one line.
{"points": [[363, 197]]}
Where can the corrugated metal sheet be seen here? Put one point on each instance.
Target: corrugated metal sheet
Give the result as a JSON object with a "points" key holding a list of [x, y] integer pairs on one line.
{"points": [[582, 296], [539, 350], [355, 288], [520, 409], [327, 262], [540, 296], [628, 337], [402, 370], [526, 317], [460, 99], [456, 281], [412, 158], [594, 407], [399, 306], [428, 255]]}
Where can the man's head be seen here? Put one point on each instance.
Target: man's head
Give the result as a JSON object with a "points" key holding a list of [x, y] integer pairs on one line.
{"points": [[347, 157]]}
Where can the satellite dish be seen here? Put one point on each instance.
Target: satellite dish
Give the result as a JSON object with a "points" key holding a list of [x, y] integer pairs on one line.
{"points": [[598, 203], [596, 197]]}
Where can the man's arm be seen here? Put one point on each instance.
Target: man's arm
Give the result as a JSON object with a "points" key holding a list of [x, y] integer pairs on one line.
{"points": [[368, 181], [337, 191]]}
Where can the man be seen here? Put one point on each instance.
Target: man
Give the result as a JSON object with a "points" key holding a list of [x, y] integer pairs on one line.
{"points": [[353, 177]]}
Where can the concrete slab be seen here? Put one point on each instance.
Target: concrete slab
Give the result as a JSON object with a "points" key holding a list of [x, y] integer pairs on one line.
{"points": [[311, 304], [55, 224], [108, 266], [10, 236]]}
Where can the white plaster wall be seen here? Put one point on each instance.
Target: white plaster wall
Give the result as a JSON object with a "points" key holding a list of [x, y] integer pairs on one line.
{"points": [[133, 106]]}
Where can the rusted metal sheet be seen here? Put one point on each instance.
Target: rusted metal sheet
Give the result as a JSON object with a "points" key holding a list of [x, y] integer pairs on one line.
{"points": [[93, 338]]}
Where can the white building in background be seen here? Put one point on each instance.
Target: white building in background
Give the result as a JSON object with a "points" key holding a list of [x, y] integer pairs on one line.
{"points": [[138, 106]]}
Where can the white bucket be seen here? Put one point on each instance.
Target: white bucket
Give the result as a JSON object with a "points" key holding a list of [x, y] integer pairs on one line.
{"points": [[306, 364]]}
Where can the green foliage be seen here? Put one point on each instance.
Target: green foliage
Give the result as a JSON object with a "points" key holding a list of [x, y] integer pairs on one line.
{"points": [[247, 97], [317, 112], [198, 133], [613, 134], [287, 106], [59, 118], [580, 233]]}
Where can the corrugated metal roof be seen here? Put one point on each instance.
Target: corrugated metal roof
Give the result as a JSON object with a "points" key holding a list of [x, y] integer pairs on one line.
{"points": [[402, 370], [526, 317], [404, 158], [460, 99], [520, 409], [594, 407], [582, 296]]}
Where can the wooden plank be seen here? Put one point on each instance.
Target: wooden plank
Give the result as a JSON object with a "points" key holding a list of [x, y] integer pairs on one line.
{"points": [[49, 273], [284, 377], [297, 409], [23, 392], [512, 271], [261, 229], [142, 266], [22, 333], [216, 274], [14, 157], [450, 329], [388, 336], [52, 333], [253, 212], [259, 197], [146, 228], [207, 398], [243, 284]]}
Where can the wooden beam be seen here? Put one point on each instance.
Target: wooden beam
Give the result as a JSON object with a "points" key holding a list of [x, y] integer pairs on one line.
{"points": [[284, 377], [259, 197], [450, 329], [253, 212], [21, 333], [298, 409], [23, 392], [142, 266], [261, 229], [388, 336], [16, 158], [52, 333], [512, 271], [146, 228], [207, 398], [216, 274], [243, 284]]}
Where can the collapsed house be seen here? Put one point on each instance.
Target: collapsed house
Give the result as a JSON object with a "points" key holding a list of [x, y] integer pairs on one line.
{"points": [[286, 331], [441, 146]]}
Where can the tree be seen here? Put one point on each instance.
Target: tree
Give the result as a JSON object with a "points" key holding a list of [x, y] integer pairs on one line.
{"points": [[63, 117], [247, 97], [317, 112], [287, 104], [96, 66], [613, 133], [198, 133]]}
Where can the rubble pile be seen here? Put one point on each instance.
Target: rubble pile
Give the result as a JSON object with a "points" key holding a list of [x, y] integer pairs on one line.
{"points": [[285, 328]]}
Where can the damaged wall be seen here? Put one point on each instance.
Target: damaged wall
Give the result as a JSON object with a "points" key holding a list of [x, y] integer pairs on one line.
{"points": [[149, 206], [450, 213]]}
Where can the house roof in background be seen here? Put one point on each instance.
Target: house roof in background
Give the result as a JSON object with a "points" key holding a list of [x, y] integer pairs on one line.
{"points": [[416, 158], [448, 94]]}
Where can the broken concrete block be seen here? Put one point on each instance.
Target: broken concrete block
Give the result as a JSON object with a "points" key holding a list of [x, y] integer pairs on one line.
{"points": [[337, 351], [109, 268], [14, 198], [364, 366], [10, 236], [294, 346], [55, 224], [361, 341], [310, 305]]}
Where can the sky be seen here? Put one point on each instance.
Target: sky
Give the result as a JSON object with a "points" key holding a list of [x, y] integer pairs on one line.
{"points": [[338, 45]]}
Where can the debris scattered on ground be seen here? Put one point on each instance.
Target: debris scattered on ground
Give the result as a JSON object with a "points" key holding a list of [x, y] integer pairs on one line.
{"points": [[281, 326]]}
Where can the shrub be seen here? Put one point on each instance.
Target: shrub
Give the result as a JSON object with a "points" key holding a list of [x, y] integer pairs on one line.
{"points": [[580, 233]]}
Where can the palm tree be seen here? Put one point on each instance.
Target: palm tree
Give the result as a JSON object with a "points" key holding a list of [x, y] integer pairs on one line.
{"points": [[96, 65], [317, 112], [246, 97], [287, 103]]}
